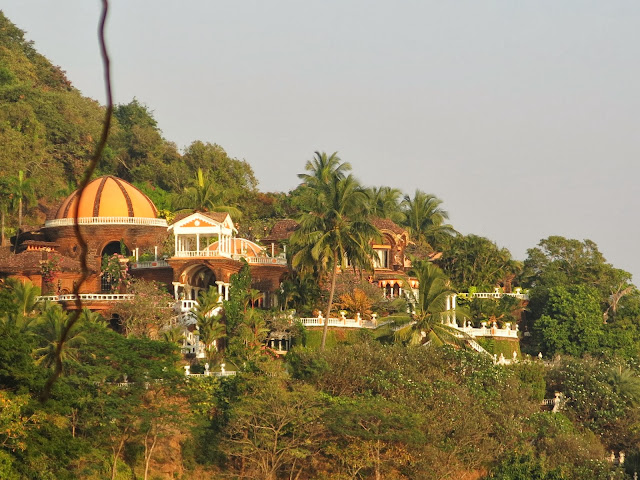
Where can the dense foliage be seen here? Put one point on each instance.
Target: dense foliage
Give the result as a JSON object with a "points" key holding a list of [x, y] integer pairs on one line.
{"points": [[394, 403]]}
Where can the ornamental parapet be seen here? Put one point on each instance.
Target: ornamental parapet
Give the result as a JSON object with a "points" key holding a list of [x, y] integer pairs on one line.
{"points": [[149, 264], [87, 297], [281, 261], [65, 222]]}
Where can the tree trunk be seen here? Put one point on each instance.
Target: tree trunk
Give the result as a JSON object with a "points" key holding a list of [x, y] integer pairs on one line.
{"points": [[333, 288], [148, 451], [2, 228], [116, 453], [15, 247], [378, 477]]}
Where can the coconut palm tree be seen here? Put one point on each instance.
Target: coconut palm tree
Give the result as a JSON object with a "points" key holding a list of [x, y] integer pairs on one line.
{"points": [[323, 168], [22, 194], [52, 325], [384, 202], [210, 327], [425, 220], [334, 230], [25, 298], [5, 205], [625, 383], [426, 322], [203, 196]]}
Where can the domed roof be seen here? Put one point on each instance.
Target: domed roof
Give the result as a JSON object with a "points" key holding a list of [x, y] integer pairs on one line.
{"points": [[108, 197], [241, 246]]}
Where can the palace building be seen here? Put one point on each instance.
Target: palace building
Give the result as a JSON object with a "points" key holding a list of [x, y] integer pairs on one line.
{"points": [[115, 218]]}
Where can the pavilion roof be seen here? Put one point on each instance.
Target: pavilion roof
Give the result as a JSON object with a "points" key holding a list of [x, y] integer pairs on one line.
{"points": [[281, 230]]}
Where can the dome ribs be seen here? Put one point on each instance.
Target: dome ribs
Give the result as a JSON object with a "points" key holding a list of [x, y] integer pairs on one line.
{"points": [[126, 196], [96, 203], [69, 203]]}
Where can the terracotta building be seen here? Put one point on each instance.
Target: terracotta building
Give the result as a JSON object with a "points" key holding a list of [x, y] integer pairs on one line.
{"points": [[115, 218], [390, 263]]}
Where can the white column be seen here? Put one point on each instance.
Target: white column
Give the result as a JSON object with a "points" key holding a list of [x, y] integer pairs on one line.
{"points": [[226, 291], [198, 243], [175, 290], [453, 307], [175, 245], [219, 284], [155, 253]]}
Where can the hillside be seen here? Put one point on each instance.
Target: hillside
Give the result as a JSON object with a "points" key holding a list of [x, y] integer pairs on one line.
{"points": [[48, 130], [251, 383]]}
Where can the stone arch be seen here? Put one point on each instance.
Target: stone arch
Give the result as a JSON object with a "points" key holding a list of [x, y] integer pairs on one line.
{"points": [[195, 278], [113, 246]]}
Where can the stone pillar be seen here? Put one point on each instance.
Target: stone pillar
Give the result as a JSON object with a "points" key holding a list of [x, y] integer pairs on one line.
{"points": [[226, 291], [219, 284], [155, 253]]}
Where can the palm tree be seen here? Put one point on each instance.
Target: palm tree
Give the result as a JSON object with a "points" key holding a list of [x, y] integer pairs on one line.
{"points": [[384, 202], [426, 323], [203, 196], [5, 204], [323, 169], [335, 229], [173, 335], [52, 325], [22, 194], [425, 219], [626, 384], [25, 298], [87, 317], [210, 328]]}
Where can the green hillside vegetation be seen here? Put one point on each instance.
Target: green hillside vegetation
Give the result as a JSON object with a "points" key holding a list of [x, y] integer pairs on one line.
{"points": [[369, 404]]}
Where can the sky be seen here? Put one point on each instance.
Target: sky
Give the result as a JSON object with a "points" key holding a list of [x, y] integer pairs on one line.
{"points": [[523, 117]]}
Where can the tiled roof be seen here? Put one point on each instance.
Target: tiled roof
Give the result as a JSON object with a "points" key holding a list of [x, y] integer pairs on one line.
{"points": [[386, 224], [216, 216], [281, 230], [29, 262]]}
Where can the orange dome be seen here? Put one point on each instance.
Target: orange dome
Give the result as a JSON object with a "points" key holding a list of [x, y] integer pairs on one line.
{"points": [[108, 197]]}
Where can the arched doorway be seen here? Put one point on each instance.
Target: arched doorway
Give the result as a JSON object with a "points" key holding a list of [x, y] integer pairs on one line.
{"points": [[110, 265], [117, 246], [195, 279]]}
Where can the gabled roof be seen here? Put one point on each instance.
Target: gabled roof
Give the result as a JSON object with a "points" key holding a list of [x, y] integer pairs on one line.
{"points": [[204, 220], [386, 224], [281, 230], [29, 262]]}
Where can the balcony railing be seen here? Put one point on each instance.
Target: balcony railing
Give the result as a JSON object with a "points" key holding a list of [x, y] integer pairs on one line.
{"points": [[150, 264], [338, 322], [234, 256], [64, 222], [489, 332], [88, 297], [520, 296], [202, 253]]}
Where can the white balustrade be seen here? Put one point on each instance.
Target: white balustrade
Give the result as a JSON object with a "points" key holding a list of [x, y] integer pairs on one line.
{"points": [[150, 264], [235, 256], [64, 222], [261, 260], [202, 253], [338, 322], [520, 296], [91, 297]]}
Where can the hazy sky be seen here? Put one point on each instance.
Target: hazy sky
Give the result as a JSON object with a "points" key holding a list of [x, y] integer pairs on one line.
{"points": [[522, 116]]}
